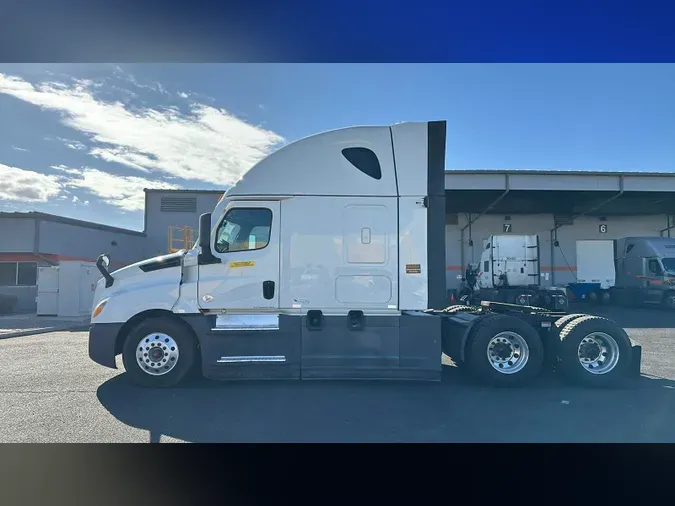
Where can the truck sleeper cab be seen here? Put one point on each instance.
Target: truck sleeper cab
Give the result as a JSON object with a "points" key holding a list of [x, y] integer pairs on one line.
{"points": [[326, 260]]}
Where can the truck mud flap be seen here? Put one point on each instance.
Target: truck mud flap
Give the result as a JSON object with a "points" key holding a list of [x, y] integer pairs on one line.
{"points": [[636, 360]]}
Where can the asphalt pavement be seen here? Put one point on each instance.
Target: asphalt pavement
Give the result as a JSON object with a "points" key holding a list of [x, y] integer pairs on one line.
{"points": [[51, 392]]}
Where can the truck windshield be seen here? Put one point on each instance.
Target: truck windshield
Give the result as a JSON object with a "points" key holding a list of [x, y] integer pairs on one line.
{"points": [[668, 264]]}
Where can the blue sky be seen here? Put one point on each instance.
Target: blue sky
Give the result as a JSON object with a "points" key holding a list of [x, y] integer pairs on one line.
{"points": [[83, 140]]}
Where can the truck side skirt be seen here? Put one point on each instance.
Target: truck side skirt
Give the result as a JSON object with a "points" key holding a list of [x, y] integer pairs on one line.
{"points": [[406, 346]]}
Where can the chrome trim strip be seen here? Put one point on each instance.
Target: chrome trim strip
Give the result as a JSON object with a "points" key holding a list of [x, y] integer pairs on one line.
{"points": [[247, 322], [267, 358], [229, 329]]}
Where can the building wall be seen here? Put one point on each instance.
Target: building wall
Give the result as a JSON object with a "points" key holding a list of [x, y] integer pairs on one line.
{"points": [[25, 294], [556, 264], [72, 242], [158, 222], [17, 235], [60, 241]]}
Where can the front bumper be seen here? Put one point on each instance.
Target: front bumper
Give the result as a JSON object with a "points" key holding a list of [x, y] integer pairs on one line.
{"points": [[103, 343]]}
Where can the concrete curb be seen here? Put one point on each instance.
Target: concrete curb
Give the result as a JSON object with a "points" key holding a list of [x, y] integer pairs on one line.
{"points": [[46, 330]]}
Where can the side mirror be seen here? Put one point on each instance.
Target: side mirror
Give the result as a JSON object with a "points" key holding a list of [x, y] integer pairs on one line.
{"points": [[205, 254], [105, 261]]}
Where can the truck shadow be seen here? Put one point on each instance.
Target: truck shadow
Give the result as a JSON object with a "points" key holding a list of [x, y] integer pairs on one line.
{"points": [[452, 411]]}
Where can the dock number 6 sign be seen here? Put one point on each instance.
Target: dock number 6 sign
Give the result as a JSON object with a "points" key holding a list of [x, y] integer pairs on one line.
{"points": [[603, 228]]}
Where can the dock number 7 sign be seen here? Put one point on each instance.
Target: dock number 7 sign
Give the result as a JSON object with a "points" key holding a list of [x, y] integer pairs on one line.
{"points": [[507, 228]]}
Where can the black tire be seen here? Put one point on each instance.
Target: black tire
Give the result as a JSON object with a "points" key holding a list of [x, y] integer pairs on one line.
{"points": [[571, 366], [564, 320], [476, 356], [149, 330], [457, 308], [552, 346]]}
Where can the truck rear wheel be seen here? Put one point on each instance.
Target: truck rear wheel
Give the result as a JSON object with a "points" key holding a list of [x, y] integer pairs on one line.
{"points": [[158, 353], [552, 345], [594, 351], [504, 351]]}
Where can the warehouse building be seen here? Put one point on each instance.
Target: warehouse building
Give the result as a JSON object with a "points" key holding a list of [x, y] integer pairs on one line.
{"points": [[31, 240], [561, 207]]}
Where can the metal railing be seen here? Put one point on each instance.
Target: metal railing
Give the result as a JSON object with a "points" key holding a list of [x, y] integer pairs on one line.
{"points": [[180, 238]]}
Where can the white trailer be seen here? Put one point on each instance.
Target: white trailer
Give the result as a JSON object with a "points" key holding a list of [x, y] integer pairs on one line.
{"points": [[595, 263], [327, 260]]}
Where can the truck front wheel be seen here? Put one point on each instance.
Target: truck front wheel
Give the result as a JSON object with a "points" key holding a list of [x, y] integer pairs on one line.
{"points": [[158, 353], [669, 300], [594, 351], [504, 351]]}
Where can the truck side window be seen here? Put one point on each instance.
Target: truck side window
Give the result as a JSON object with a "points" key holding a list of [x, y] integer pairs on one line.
{"points": [[364, 160], [486, 266], [244, 229], [654, 267]]}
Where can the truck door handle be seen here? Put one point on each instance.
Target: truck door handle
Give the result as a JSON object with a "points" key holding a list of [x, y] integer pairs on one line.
{"points": [[268, 289]]}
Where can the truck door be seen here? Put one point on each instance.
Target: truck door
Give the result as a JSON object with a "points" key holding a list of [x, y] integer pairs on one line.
{"points": [[246, 241], [654, 281]]}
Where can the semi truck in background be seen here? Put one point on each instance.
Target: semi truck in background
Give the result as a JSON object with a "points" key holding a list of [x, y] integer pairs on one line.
{"points": [[509, 271], [629, 271], [326, 260]]}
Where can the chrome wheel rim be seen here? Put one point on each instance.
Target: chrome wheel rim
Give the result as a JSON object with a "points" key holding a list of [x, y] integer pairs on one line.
{"points": [[157, 354], [598, 353], [508, 352]]}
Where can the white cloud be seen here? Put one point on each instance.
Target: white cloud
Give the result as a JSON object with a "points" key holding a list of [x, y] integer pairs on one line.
{"points": [[209, 144], [77, 145], [16, 148], [65, 169], [26, 185], [125, 192], [182, 94]]}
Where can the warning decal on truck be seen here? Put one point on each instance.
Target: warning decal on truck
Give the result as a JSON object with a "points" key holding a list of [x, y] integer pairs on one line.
{"points": [[413, 269], [247, 263]]}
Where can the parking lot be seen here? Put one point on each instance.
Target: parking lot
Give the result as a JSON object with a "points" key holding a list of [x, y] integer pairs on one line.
{"points": [[51, 392]]}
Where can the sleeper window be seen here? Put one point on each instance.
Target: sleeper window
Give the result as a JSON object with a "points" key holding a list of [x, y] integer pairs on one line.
{"points": [[364, 160]]}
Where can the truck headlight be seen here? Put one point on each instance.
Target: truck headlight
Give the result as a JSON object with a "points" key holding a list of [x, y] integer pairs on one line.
{"points": [[99, 307]]}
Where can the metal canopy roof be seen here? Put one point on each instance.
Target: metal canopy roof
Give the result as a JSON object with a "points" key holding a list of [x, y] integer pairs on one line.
{"points": [[559, 192]]}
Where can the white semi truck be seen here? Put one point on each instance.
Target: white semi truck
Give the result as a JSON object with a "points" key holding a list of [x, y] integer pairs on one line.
{"points": [[509, 271], [327, 260]]}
